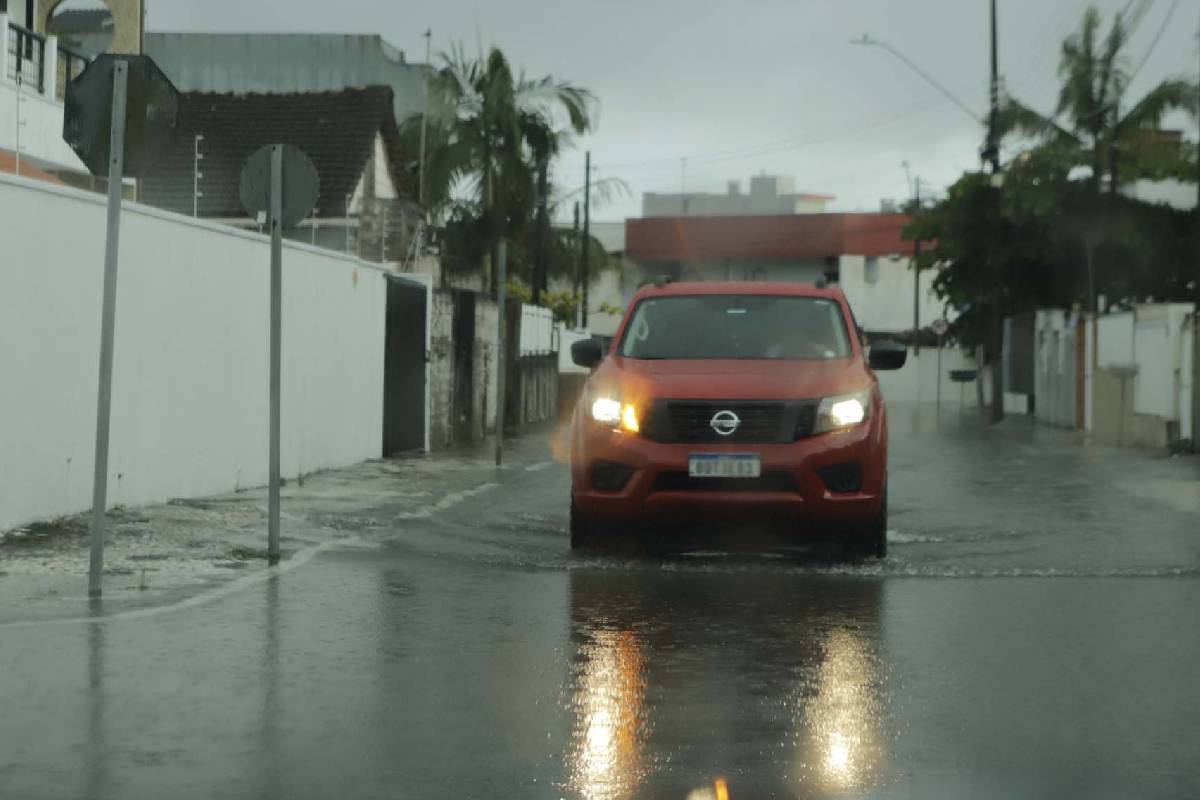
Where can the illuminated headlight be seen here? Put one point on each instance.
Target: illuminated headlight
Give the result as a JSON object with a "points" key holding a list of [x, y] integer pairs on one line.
{"points": [[844, 411], [608, 411]]}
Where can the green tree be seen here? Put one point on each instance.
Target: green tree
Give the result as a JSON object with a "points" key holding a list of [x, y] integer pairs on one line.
{"points": [[492, 133], [1093, 125]]}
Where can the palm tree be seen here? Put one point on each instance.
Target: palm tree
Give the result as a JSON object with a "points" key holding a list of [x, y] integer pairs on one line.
{"points": [[494, 135], [1091, 126]]}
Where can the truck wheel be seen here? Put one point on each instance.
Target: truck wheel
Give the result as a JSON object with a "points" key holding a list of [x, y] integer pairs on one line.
{"points": [[869, 540], [583, 530]]}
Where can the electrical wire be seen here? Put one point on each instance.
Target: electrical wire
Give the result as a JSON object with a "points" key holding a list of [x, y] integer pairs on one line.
{"points": [[1154, 42]]}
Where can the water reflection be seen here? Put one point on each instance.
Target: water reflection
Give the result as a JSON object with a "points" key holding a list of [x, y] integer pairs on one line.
{"points": [[97, 751], [740, 682], [269, 729], [842, 747], [608, 702]]}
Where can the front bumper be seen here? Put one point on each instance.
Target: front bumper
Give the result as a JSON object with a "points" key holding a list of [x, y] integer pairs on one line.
{"points": [[797, 491]]}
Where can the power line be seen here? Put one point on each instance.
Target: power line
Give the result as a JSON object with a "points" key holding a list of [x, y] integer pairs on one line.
{"points": [[1154, 42]]}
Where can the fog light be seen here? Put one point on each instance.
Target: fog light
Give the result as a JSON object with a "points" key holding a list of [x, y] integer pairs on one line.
{"points": [[610, 476], [842, 478]]}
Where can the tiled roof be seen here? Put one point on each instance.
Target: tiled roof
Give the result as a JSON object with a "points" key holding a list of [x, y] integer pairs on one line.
{"points": [[336, 129]]}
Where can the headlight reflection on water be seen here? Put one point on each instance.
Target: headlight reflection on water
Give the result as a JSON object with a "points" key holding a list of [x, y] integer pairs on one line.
{"points": [[839, 718], [610, 731]]}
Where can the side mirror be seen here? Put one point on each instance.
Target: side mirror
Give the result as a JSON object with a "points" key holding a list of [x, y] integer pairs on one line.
{"points": [[587, 353], [887, 355]]}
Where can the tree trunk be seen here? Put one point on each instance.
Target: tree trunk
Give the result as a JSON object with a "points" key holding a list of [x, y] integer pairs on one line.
{"points": [[542, 232]]}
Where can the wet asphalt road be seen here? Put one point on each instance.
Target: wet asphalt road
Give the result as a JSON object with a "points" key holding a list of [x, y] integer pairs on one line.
{"points": [[1033, 634]]}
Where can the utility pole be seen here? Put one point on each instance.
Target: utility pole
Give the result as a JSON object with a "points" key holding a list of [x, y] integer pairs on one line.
{"points": [[543, 223], [683, 203], [1196, 311], [587, 220], [991, 154], [424, 125], [197, 157], [916, 265], [501, 344]]}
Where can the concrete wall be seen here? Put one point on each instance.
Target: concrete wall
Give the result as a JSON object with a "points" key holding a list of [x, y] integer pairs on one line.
{"points": [[886, 305], [486, 382], [190, 378], [441, 372]]}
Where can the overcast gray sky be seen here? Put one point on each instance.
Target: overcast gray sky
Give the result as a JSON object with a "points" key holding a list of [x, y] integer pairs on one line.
{"points": [[743, 86]]}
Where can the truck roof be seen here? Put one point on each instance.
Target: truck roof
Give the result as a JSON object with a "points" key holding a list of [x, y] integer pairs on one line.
{"points": [[778, 288]]}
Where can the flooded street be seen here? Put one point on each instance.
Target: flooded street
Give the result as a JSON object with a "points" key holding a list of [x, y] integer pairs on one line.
{"points": [[1031, 634]]}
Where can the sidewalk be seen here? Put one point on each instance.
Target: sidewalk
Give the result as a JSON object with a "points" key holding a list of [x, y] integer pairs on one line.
{"points": [[167, 553]]}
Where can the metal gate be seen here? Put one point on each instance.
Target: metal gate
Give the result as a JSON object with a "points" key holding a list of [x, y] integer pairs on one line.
{"points": [[404, 370], [463, 424]]}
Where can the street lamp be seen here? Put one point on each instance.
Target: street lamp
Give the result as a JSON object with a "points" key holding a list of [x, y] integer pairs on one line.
{"points": [[867, 41]]}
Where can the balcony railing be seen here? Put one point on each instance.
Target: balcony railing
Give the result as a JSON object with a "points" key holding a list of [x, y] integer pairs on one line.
{"points": [[70, 64], [26, 57]]}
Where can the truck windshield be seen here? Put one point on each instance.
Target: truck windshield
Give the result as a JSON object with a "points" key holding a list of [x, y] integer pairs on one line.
{"points": [[736, 327]]}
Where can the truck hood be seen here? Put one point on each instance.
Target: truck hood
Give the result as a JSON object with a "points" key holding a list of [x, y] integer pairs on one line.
{"points": [[701, 379]]}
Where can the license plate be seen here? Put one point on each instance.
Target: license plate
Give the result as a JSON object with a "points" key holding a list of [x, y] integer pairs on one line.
{"points": [[724, 465]]}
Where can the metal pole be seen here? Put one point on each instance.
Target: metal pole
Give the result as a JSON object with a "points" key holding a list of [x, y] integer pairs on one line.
{"points": [[116, 174], [501, 344], [939, 375], [587, 218], [575, 251], [424, 124], [276, 336], [196, 175], [17, 155]]}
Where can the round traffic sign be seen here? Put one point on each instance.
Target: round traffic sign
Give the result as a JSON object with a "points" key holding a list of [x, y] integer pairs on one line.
{"points": [[939, 327], [301, 184]]}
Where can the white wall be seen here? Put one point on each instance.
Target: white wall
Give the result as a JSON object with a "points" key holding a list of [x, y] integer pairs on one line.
{"points": [[190, 377], [1115, 334], [887, 304], [42, 118], [536, 331], [917, 381], [1158, 350]]}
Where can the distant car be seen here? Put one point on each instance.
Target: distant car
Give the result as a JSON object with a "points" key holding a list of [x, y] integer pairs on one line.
{"points": [[731, 401]]}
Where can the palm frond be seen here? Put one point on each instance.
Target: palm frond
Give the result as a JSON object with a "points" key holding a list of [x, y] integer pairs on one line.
{"points": [[1148, 112]]}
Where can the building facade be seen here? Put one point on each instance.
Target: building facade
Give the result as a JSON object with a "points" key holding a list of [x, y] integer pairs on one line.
{"points": [[768, 195]]}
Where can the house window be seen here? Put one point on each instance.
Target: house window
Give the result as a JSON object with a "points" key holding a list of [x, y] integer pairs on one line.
{"points": [[871, 273]]}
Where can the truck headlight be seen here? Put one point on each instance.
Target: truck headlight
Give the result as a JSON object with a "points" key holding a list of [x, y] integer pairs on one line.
{"points": [[609, 411], [843, 411]]}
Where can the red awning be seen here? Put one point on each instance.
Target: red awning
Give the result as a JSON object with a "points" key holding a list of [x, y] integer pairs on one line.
{"points": [[788, 237], [8, 163]]}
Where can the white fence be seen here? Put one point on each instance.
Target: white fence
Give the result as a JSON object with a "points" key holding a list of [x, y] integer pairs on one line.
{"points": [[917, 381], [190, 375], [537, 331], [1056, 360]]}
